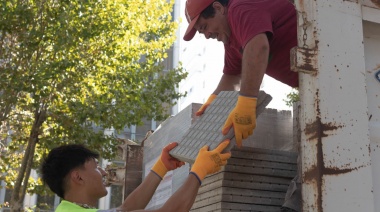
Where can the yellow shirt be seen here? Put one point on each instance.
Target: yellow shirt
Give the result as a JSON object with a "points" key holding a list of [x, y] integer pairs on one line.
{"points": [[66, 206]]}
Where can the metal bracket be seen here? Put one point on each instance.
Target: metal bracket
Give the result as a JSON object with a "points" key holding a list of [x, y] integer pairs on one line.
{"points": [[377, 76], [303, 60]]}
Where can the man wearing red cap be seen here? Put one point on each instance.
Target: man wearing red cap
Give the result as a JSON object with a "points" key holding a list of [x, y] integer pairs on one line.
{"points": [[257, 37]]}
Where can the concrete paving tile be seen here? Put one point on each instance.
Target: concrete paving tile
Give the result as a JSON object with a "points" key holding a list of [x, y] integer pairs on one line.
{"points": [[260, 171], [248, 177], [239, 181], [288, 154], [255, 186], [263, 157], [207, 129], [241, 192], [252, 200], [229, 206], [260, 163]]}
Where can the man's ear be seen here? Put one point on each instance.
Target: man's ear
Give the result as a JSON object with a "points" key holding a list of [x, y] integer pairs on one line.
{"points": [[75, 177], [219, 7]]}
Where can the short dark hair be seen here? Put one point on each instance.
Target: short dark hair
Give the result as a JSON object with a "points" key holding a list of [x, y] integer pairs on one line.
{"points": [[209, 12], [60, 162]]}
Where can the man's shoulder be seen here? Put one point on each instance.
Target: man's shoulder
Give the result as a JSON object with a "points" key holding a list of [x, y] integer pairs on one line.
{"points": [[66, 206]]}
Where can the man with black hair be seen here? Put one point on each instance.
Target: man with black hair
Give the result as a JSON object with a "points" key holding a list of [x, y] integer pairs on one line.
{"points": [[72, 172]]}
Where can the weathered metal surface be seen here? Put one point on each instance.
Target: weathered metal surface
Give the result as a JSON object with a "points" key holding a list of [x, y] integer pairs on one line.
{"points": [[371, 3], [335, 133], [372, 55], [371, 14], [303, 60]]}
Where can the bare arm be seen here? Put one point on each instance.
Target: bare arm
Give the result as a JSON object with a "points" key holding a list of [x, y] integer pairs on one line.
{"points": [[255, 62], [228, 83], [207, 162], [141, 196], [183, 198]]}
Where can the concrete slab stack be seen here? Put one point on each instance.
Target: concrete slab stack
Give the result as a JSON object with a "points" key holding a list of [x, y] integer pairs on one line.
{"points": [[253, 180]]}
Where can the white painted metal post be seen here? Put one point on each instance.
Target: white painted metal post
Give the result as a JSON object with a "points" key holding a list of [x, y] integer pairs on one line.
{"points": [[335, 143], [371, 30]]}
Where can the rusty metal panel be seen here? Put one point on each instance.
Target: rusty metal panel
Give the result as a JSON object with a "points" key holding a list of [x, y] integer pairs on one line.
{"points": [[335, 136]]}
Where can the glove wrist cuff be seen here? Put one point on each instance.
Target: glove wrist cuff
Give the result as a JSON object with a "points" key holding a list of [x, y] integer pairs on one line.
{"points": [[200, 174], [246, 96], [159, 168], [196, 176]]}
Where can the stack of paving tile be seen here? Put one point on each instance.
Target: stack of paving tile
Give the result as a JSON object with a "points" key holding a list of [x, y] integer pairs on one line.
{"points": [[253, 180]]}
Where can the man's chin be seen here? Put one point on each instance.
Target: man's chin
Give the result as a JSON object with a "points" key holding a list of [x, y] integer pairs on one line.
{"points": [[224, 41]]}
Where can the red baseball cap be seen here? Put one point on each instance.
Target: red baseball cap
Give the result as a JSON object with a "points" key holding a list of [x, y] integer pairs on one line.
{"points": [[192, 11]]}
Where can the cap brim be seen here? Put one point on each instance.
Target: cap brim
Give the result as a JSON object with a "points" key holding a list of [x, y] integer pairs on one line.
{"points": [[190, 32]]}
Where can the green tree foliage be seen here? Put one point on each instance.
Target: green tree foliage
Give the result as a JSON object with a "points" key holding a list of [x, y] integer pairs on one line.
{"points": [[67, 66], [292, 97]]}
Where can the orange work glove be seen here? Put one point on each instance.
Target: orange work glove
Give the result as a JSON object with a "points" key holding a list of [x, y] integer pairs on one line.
{"points": [[166, 162], [242, 118], [209, 162], [205, 105]]}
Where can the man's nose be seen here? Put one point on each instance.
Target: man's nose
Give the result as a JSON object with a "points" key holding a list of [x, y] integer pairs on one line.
{"points": [[207, 35]]}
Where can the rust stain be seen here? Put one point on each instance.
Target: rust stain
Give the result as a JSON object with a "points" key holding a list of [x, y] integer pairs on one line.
{"points": [[307, 65], [301, 5], [376, 2], [317, 130], [335, 171], [316, 42]]}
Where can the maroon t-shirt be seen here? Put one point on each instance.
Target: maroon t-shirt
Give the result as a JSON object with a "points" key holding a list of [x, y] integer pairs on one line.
{"points": [[276, 18]]}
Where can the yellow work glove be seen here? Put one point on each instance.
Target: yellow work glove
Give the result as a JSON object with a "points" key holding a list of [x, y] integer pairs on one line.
{"points": [[209, 162], [205, 105], [242, 118], [166, 162]]}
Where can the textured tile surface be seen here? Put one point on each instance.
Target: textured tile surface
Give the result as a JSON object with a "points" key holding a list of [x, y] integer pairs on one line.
{"points": [[207, 129], [253, 180]]}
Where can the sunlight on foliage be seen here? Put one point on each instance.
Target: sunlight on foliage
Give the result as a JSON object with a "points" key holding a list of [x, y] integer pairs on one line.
{"points": [[69, 67]]}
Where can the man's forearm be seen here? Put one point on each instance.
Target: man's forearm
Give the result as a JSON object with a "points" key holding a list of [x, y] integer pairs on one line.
{"points": [[255, 62], [141, 196], [184, 197], [228, 83]]}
